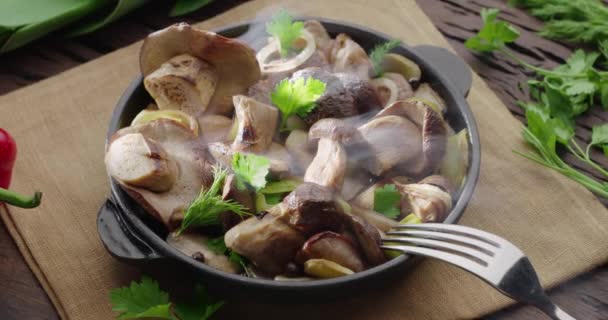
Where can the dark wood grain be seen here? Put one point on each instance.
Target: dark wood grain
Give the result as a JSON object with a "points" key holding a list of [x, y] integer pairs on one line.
{"points": [[586, 297]]}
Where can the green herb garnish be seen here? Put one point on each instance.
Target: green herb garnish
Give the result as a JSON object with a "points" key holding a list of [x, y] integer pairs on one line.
{"points": [[296, 97], [218, 246], [599, 138], [206, 208], [387, 200], [377, 54], [285, 30], [250, 170], [146, 300]]}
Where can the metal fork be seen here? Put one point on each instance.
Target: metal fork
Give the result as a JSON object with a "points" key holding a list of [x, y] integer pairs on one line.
{"points": [[491, 258]]}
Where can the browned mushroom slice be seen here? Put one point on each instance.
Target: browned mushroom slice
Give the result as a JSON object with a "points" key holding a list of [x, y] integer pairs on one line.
{"points": [[257, 124], [268, 242], [194, 246], [347, 56], [392, 87], [229, 219], [310, 209], [194, 170], [431, 127], [368, 238], [215, 128], [429, 202], [339, 130], [233, 61], [393, 140], [333, 247], [140, 162], [328, 166], [184, 83]]}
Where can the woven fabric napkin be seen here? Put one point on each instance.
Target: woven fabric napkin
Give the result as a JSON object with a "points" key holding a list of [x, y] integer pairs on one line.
{"points": [[60, 123]]}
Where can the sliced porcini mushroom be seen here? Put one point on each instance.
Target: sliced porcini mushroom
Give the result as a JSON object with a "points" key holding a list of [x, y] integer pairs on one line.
{"points": [[354, 183], [322, 39], [230, 191], [392, 87], [194, 246], [257, 124], [347, 56], [339, 130], [140, 162], [215, 128], [325, 269], [333, 247], [439, 181], [328, 166], [380, 221], [393, 62], [183, 83], [429, 202], [194, 170], [431, 128], [147, 115], [455, 163], [221, 153], [297, 144], [234, 63], [345, 95], [428, 95], [393, 141], [268, 242]]}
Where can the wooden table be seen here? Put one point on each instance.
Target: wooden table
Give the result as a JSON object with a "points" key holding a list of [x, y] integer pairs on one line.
{"points": [[21, 297]]}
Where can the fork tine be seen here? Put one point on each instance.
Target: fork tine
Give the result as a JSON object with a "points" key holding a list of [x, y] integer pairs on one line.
{"points": [[480, 245], [457, 229], [441, 245], [459, 261]]}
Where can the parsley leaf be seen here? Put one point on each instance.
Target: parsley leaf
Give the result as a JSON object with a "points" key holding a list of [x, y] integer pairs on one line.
{"points": [[599, 138], [146, 300], [386, 201], [377, 54], [218, 246], [206, 208], [296, 97], [250, 170], [493, 35], [284, 30], [141, 300]]}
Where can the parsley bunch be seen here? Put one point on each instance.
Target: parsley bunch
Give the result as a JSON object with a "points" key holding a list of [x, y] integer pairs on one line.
{"points": [[558, 97], [206, 208], [146, 300]]}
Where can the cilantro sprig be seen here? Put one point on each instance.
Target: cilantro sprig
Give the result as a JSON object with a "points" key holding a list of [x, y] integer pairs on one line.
{"points": [[206, 208], [558, 97], [250, 170], [145, 299], [377, 54], [296, 97], [285, 30], [387, 200]]}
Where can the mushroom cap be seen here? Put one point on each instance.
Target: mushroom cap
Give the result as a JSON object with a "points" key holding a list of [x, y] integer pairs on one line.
{"points": [[328, 167], [233, 60], [333, 247]]}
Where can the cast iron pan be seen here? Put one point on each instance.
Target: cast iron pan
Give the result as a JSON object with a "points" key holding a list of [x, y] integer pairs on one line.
{"points": [[132, 236]]}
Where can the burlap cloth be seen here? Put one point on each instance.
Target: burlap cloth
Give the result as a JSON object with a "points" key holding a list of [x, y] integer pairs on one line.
{"points": [[60, 123]]}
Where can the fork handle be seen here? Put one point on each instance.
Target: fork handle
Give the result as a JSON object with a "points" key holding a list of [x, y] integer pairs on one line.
{"points": [[551, 309]]}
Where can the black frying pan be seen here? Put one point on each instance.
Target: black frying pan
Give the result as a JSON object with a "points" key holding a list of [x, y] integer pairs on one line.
{"points": [[134, 237]]}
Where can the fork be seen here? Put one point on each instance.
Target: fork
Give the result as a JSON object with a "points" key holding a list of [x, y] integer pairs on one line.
{"points": [[489, 257]]}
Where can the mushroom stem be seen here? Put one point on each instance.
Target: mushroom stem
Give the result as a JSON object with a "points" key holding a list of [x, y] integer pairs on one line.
{"points": [[281, 65], [389, 84]]}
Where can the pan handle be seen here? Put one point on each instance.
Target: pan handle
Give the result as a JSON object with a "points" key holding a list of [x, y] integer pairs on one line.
{"points": [[452, 66], [120, 241]]}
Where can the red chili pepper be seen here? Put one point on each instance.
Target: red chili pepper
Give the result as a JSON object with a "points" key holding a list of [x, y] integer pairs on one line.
{"points": [[8, 154]]}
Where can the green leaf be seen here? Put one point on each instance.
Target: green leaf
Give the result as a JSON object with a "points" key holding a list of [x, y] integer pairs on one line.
{"points": [[200, 307], [493, 35], [297, 97], [273, 198], [250, 170], [206, 208], [605, 150], [599, 134], [387, 200], [217, 245], [377, 54], [580, 86], [283, 186], [141, 300], [285, 30], [121, 8], [37, 18], [604, 95], [182, 7]]}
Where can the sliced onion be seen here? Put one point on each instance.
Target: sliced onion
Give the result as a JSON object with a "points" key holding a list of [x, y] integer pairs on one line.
{"points": [[281, 65], [390, 85]]}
